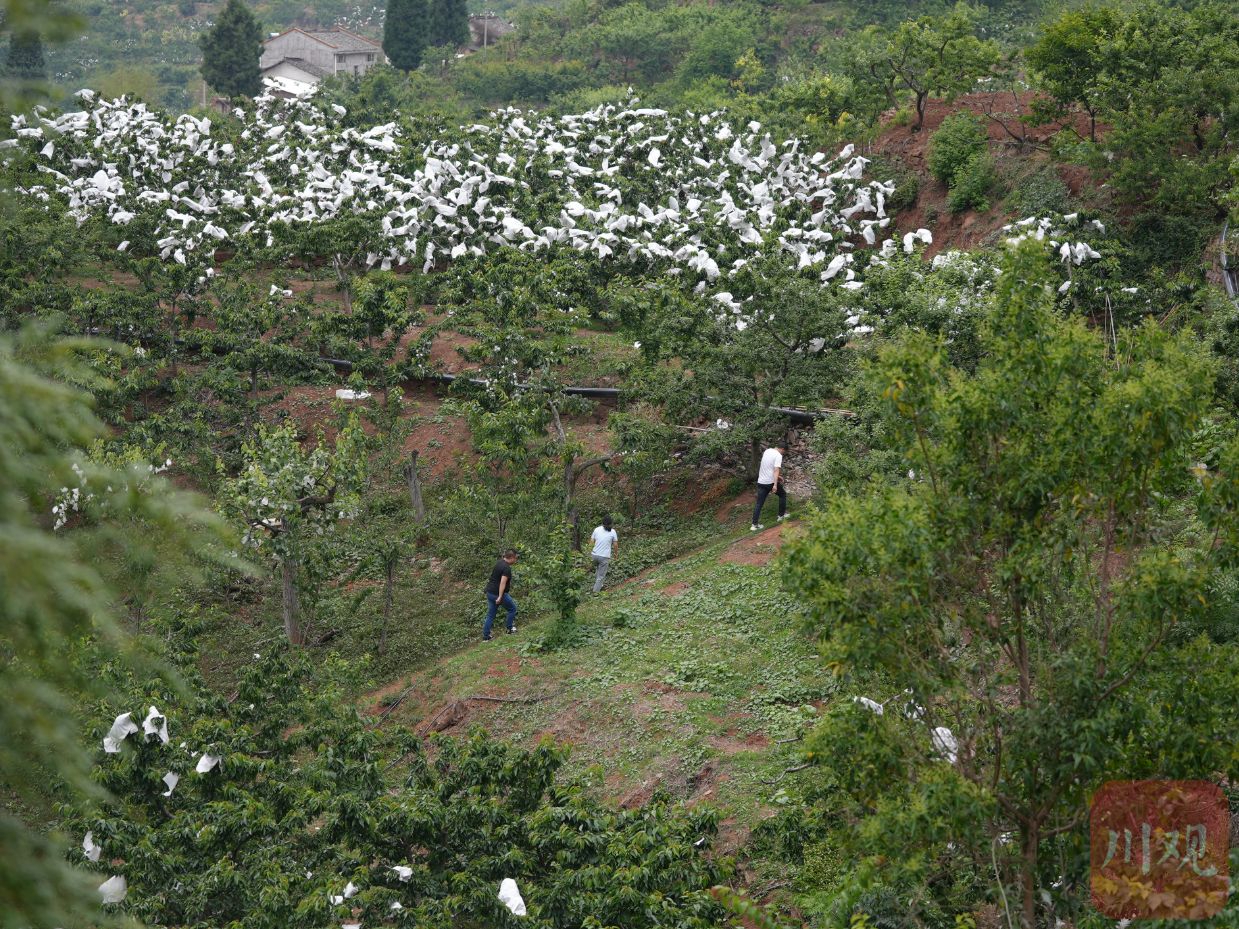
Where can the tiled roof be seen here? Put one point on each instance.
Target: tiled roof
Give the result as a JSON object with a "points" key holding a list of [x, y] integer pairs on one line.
{"points": [[307, 66], [345, 41]]}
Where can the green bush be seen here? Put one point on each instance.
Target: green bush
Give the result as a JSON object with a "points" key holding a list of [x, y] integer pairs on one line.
{"points": [[972, 183], [957, 140], [1040, 193], [1166, 240]]}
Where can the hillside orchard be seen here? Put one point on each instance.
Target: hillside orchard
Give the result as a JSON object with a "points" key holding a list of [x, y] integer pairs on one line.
{"points": [[278, 383]]}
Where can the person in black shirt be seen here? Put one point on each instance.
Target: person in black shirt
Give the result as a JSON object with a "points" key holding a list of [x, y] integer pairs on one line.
{"points": [[499, 591]]}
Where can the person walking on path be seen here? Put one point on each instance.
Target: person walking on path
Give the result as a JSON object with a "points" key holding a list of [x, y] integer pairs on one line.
{"points": [[499, 592], [770, 477], [606, 547]]}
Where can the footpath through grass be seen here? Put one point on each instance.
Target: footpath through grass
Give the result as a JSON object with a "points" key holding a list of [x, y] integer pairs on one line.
{"points": [[692, 678]]}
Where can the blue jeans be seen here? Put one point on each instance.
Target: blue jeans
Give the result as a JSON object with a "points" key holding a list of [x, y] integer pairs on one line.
{"points": [[763, 491], [493, 607]]}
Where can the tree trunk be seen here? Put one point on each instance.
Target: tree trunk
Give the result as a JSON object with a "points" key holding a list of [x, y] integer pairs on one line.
{"points": [[921, 100], [389, 583], [292, 607], [1028, 877], [415, 489], [754, 459]]}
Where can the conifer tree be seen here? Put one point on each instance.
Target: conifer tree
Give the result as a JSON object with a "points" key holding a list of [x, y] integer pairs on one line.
{"points": [[25, 61], [405, 32], [447, 23], [453, 22], [231, 50]]}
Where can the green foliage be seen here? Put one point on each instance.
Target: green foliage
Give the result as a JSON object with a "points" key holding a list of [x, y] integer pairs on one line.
{"points": [[959, 157], [972, 183], [953, 145], [1039, 194], [371, 332], [405, 33], [740, 371], [30, 23], [373, 97], [307, 802], [985, 594], [57, 606], [1068, 59], [25, 61], [933, 55], [286, 496], [561, 580], [907, 182], [230, 52], [129, 81], [447, 23], [491, 79], [1149, 71]]}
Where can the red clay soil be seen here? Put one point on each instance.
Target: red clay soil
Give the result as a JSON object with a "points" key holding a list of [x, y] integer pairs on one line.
{"points": [[732, 742], [735, 509], [972, 229], [709, 493], [445, 356], [995, 109], [757, 548]]}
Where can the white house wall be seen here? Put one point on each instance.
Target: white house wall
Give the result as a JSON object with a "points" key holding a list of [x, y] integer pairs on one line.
{"points": [[298, 45]]}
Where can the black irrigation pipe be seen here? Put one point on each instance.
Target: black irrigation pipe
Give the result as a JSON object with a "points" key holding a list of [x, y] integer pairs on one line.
{"points": [[795, 414]]}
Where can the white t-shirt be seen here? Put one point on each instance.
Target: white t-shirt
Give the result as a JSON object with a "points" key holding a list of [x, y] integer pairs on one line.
{"points": [[770, 460], [603, 539]]}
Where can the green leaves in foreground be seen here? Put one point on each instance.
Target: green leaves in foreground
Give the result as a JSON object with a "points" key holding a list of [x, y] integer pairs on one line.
{"points": [[55, 604], [1019, 592], [306, 801]]}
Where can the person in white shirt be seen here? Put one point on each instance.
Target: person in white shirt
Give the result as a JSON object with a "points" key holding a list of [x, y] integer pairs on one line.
{"points": [[606, 547], [770, 477]]}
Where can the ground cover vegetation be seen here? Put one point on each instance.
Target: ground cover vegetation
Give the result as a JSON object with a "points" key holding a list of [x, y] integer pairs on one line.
{"points": [[278, 384]]}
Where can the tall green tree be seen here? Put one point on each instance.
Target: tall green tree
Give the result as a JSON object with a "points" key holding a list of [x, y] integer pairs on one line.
{"points": [[286, 495], [936, 55], [1162, 79], [25, 60], [1069, 62], [406, 33], [231, 50], [1030, 600], [447, 23], [30, 23]]}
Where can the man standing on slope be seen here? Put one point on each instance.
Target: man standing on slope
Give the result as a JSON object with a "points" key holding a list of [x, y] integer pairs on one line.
{"points": [[499, 591], [606, 547], [769, 477]]}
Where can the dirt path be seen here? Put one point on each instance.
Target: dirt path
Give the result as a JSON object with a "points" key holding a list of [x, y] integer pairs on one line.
{"points": [[757, 548]]}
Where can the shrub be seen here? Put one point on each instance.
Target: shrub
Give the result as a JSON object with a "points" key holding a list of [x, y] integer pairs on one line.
{"points": [[958, 138], [1040, 193], [972, 183], [1160, 239]]}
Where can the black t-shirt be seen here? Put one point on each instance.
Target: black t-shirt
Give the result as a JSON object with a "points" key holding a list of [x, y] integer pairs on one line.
{"points": [[501, 569]]}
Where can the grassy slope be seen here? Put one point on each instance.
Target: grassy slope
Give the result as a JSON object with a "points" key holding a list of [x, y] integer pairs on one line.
{"points": [[685, 679]]}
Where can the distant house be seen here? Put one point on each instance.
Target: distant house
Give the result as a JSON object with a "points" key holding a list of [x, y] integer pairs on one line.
{"points": [[302, 58], [486, 29]]}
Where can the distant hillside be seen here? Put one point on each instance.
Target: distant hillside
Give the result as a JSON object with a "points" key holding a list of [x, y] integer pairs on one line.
{"points": [[150, 47]]}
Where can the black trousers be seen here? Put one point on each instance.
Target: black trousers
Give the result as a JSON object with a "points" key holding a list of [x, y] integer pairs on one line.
{"points": [[763, 491]]}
